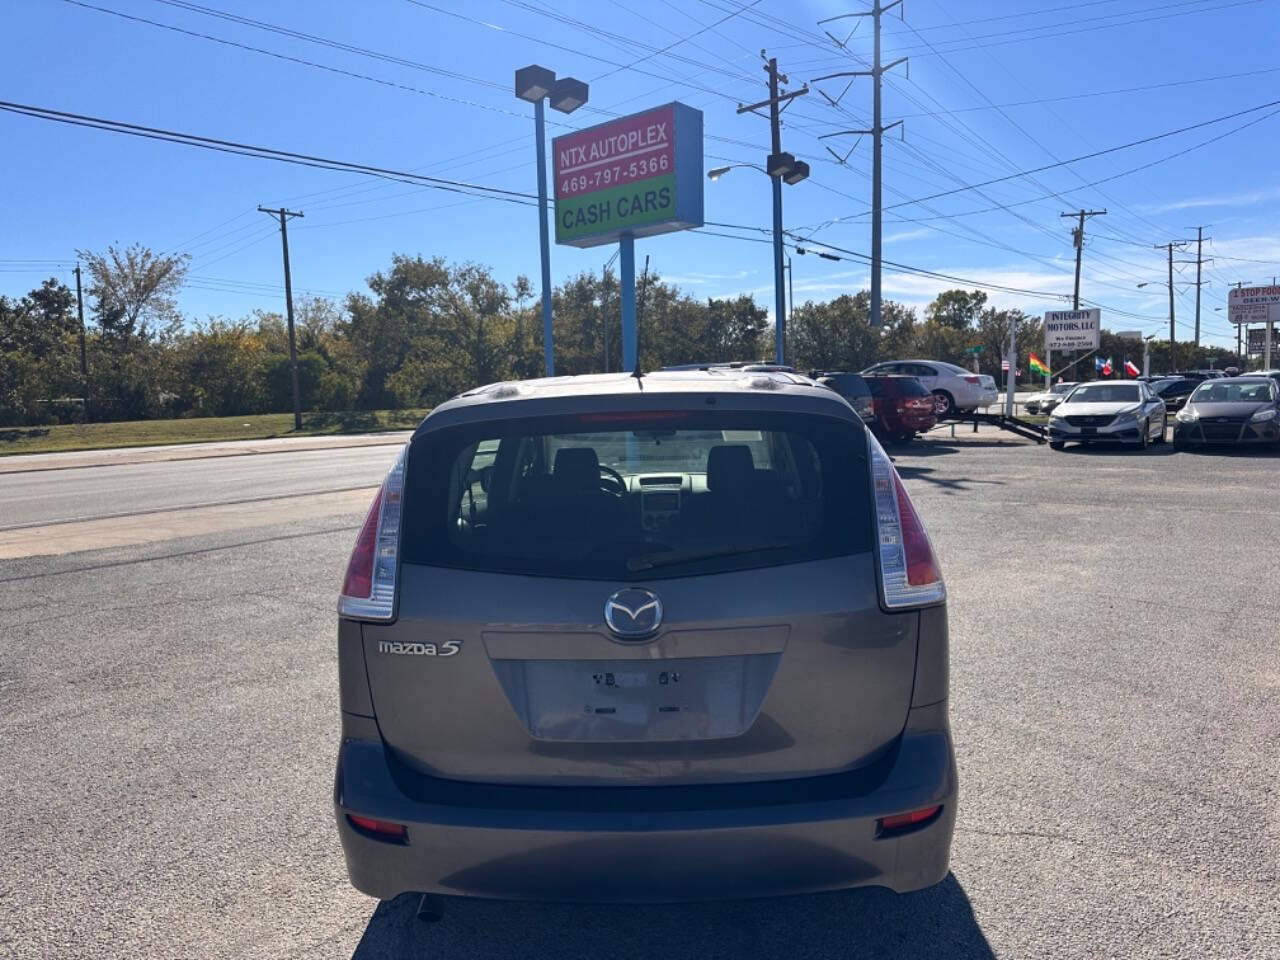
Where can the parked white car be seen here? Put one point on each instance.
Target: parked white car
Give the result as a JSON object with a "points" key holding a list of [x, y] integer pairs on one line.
{"points": [[958, 390], [1046, 400]]}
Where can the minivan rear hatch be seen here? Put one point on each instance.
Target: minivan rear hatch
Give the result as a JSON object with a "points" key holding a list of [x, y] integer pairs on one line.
{"points": [[640, 597]]}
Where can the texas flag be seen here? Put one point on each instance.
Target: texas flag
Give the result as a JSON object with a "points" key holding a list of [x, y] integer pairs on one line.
{"points": [[1130, 368], [1106, 367]]}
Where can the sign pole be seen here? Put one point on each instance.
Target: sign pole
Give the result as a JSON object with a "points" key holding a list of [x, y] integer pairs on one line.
{"points": [[548, 346], [627, 266]]}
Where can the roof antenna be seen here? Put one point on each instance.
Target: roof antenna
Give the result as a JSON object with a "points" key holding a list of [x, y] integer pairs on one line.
{"points": [[638, 374]]}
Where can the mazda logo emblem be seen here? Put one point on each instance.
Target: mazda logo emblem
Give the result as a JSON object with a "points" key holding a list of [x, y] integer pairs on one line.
{"points": [[633, 613]]}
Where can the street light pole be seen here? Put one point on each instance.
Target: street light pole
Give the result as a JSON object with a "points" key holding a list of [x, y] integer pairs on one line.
{"points": [[536, 84], [544, 243]]}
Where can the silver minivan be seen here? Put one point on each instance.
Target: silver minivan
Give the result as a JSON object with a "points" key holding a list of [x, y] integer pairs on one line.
{"points": [[615, 638]]}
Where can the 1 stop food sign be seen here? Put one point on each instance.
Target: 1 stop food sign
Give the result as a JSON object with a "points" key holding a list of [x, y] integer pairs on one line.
{"points": [[639, 175]]}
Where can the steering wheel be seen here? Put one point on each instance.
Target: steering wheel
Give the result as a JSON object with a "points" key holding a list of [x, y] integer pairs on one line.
{"points": [[611, 481]]}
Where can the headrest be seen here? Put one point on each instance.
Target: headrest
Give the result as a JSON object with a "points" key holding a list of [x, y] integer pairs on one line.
{"points": [[579, 465], [730, 468]]}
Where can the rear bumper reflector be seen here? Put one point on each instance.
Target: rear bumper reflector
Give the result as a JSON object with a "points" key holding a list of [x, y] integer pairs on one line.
{"points": [[901, 823], [380, 829]]}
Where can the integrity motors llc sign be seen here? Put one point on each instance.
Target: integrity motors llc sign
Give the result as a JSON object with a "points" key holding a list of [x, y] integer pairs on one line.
{"points": [[1073, 329], [639, 175]]}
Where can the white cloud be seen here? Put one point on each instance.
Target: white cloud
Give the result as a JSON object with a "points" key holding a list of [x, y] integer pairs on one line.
{"points": [[1245, 199]]}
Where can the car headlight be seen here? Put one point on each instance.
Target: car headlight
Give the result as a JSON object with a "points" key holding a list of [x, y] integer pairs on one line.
{"points": [[1127, 417], [1187, 415], [1262, 416]]}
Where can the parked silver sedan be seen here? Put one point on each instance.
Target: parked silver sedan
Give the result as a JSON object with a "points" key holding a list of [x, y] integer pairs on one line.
{"points": [[1118, 411]]}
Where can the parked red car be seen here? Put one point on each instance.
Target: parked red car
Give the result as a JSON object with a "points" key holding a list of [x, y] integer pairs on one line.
{"points": [[903, 407]]}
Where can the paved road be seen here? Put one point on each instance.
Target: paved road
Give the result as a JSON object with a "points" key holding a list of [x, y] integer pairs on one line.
{"points": [[169, 731], [27, 499]]}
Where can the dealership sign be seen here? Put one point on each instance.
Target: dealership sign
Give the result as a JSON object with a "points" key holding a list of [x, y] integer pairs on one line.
{"points": [[638, 176], [1257, 341], [1073, 329], [1254, 304]]}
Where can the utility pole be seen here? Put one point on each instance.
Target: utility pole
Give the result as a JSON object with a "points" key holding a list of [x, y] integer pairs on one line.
{"points": [[780, 166], [84, 359], [1173, 350], [1200, 261], [284, 216], [1077, 238], [1241, 359], [876, 133]]}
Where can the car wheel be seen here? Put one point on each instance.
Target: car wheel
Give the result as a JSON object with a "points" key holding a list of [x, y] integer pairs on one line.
{"points": [[1160, 438], [1145, 432], [1056, 445], [945, 403], [1179, 443], [905, 437]]}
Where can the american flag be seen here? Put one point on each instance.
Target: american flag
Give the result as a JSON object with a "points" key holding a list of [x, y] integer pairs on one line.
{"points": [[1004, 366]]}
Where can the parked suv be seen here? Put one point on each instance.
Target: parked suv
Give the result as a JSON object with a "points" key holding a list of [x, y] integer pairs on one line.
{"points": [[620, 639], [903, 407]]}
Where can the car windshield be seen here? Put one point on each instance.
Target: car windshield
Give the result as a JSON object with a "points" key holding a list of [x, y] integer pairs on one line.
{"points": [[1063, 387], [1220, 392], [1105, 393], [583, 498]]}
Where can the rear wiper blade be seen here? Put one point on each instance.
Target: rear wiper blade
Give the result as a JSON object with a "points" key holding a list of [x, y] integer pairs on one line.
{"points": [[649, 561]]}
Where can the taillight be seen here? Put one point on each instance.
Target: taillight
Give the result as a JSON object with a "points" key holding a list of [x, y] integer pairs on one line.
{"points": [[909, 571], [972, 379], [369, 588]]}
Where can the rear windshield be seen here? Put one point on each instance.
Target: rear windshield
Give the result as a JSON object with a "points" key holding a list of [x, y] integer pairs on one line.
{"points": [[846, 384], [599, 498], [1259, 391], [896, 387], [1106, 393]]}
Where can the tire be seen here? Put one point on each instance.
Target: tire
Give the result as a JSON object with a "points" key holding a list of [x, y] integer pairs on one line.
{"points": [[1164, 428], [904, 437], [1056, 445], [1145, 441], [948, 408], [1179, 444]]}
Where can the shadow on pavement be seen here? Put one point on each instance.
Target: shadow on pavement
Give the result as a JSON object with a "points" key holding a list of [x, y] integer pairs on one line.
{"points": [[951, 484], [937, 922], [1119, 450]]}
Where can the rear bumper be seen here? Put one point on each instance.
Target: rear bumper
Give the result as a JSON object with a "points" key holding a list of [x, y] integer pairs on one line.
{"points": [[648, 844]]}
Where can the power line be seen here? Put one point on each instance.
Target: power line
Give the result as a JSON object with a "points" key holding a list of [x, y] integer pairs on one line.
{"points": [[267, 153], [1087, 156], [1095, 94]]}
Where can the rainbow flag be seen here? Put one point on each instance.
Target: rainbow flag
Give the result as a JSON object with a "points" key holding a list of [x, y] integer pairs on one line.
{"points": [[1037, 366]]}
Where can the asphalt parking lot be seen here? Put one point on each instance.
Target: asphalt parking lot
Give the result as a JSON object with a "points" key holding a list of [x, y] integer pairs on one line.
{"points": [[169, 731]]}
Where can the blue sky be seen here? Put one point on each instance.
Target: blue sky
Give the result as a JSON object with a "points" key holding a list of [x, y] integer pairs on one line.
{"points": [[446, 108]]}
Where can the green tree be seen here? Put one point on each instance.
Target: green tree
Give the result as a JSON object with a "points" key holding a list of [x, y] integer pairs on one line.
{"points": [[957, 309], [134, 290]]}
